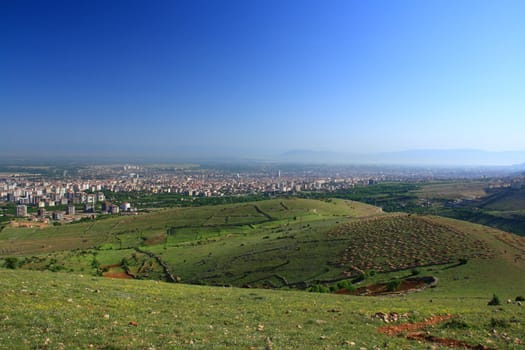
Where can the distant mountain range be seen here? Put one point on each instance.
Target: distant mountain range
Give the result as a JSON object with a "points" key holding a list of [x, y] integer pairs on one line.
{"points": [[511, 160], [459, 157]]}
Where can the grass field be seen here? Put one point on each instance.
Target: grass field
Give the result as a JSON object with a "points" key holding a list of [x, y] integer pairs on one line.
{"points": [[453, 190], [42, 310]]}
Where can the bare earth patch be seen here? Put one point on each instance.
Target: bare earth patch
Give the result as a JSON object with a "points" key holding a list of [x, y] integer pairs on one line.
{"points": [[412, 331]]}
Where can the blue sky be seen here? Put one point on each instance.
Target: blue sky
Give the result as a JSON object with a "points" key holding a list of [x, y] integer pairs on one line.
{"points": [[261, 77]]}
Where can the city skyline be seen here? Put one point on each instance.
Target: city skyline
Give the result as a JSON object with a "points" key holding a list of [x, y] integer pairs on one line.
{"points": [[253, 79]]}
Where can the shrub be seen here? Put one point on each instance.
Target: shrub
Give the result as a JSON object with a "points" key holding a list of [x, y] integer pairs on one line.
{"points": [[456, 324], [415, 272], [55, 268], [95, 263], [124, 263], [345, 285], [494, 301], [393, 285], [11, 263], [317, 288], [520, 298]]}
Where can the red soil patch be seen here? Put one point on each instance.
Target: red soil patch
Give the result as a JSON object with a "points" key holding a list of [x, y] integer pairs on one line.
{"points": [[121, 275], [411, 327], [115, 274], [409, 331]]}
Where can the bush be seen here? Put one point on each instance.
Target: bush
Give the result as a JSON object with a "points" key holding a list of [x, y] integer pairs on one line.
{"points": [[11, 263], [520, 298], [393, 285], [415, 272], [95, 263], [317, 288], [456, 324], [124, 263], [494, 301], [345, 285]]}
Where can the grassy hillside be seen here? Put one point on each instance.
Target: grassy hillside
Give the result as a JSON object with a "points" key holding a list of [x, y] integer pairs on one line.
{"points": [[187, 223], [294, 243], [287, 244], [232, 244], [505, 200], [42, 310]]}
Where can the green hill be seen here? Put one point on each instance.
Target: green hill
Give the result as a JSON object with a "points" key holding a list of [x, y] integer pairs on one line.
{"points": [[293, 243]]}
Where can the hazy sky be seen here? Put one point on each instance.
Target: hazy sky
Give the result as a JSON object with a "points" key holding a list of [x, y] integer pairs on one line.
{"points": [[247, 77]]}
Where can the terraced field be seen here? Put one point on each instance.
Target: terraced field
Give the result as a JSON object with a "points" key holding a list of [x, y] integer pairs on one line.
{"points": [[402, 242]]}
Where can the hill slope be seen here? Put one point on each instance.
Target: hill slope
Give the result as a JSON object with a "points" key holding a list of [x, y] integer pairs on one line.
{"points": [[61, 311], [294, 243]]}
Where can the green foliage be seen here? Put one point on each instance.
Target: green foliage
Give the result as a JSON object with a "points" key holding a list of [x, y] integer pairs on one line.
{"points": [[456, 323], [95, 263], [393, 285], [11, 262], [415, 271], [345, 285], [124, 263], [56, 268], [318, 288], [520, 298], [494, 301]]}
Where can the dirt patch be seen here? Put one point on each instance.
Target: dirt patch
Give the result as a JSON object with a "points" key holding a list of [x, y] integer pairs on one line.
{"points": [[397, 329], [115, 271], [121, 275], [407, 285], [412, 331], [28, 224]]}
